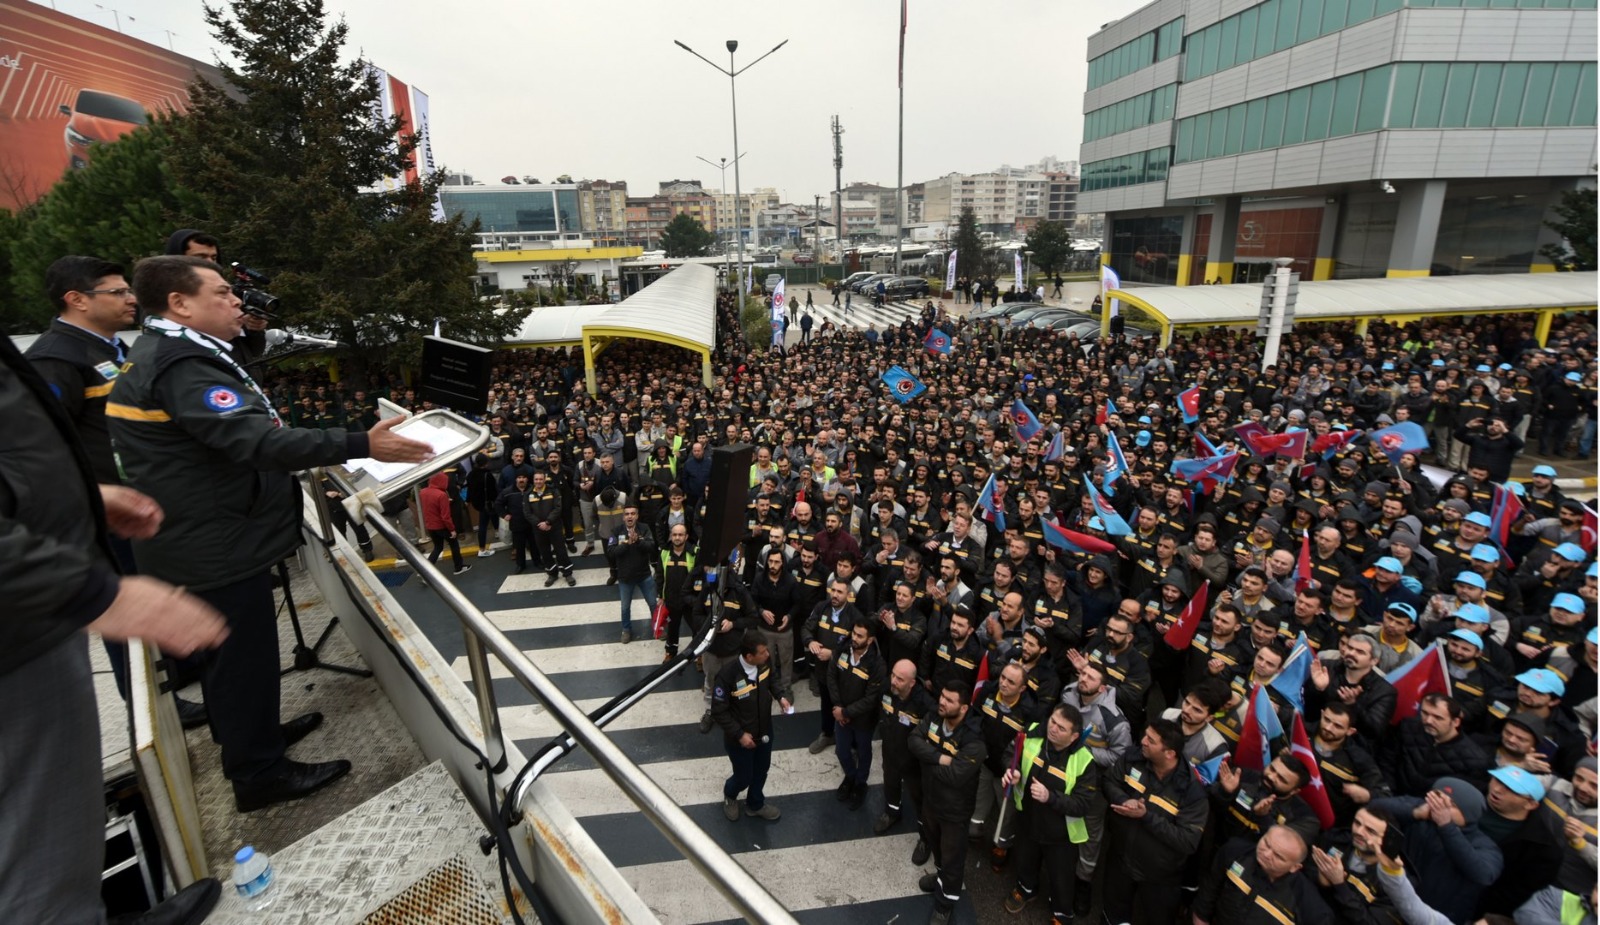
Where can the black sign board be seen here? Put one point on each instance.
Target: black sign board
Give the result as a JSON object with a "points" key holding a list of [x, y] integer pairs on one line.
{"points": [[455, 375]]}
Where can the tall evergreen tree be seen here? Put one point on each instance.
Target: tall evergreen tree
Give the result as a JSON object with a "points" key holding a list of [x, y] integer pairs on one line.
{"points": [[1575, 222], [1051, 243], [292, 159], [684, 236], [969, 246]]}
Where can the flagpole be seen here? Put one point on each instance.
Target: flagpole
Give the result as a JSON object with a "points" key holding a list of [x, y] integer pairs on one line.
{"points": [[900, 157]]}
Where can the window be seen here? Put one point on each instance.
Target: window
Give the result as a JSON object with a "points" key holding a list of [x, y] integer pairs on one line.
{"points": [[1540, 78], [1254, 117], [1310, 20], [1333, 15], [1485, 91], [1136, 54], [1209, 49], [1185, 140], [1266, 27], [1403, 106], [1219, 133], [1319, 111], [1584, 112], [1430, 96], [1272, 132], [1359, 11], [1346, 99], [1374, 99], [1288, 20], [1457, 96], [1226, 57], [1294, 126]]}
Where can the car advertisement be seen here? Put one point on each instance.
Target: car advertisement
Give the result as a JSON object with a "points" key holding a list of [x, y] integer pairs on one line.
{"points": [[68, 86]]}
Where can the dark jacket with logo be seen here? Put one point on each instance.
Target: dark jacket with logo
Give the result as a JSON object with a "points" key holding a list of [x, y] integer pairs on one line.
{"points": [[193, 436], [951, 790], [857, 688], [741, 705], [80, 369]]}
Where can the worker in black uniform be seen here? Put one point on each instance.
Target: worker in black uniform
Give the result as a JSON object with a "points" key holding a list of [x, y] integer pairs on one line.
{"points": [[542, 507], [79, 356], [1158, 813], [512, 507], [856, 678], [1053, 784], [195, 433], [676, 579], [827, 633], [58, 578], [1347, 862], [1259, 883], [741, 703], [720, 596], [950, 751], [904, 705]]}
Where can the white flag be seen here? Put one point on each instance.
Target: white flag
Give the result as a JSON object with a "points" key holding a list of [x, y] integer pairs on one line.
{"points": [[1017, 260], [950, 272], [1109, 281], [424, 152], [777, 313]]}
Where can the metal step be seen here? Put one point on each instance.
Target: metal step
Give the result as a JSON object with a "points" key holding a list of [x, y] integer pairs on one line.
{"points": [[409, 854]]}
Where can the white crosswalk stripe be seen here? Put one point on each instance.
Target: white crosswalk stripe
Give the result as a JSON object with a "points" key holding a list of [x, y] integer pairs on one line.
{"points": [[819, 858]]}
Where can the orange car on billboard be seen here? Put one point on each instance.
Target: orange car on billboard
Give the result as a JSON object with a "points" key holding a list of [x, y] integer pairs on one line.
{"points": [[95, 118]]}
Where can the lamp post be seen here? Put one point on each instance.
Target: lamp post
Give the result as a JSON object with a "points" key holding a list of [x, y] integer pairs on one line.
{"points": [[723, 168], [1027, 266], [733, 95]]}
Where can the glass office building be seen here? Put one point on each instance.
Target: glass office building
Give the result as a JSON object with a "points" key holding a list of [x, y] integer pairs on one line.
{"points": [[529, 208], [1359, 138]]}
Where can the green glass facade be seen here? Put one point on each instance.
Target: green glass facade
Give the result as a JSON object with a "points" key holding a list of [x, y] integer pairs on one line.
{"points": [[1139, 167], [509, 209], [1156, 45], [1134, 112], [1399, 96], [1279, 24]]}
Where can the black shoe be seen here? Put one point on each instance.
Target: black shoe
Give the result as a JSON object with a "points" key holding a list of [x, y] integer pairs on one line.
{"points": [[940, 916], [921, 853], [845, 788], [299, 727], [928, 882], [550, 579], [297, 780], [885, 822], [516, 570], [705, 722], [189, 906], [1082, 897], [858, 796], [571, 582], [192, 715]]}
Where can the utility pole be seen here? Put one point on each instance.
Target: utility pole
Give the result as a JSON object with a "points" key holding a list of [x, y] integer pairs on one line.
{"points": [[816, 228], [838, 193]]}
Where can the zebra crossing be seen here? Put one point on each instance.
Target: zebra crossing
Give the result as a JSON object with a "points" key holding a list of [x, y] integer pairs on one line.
{"points": [[820, 859], [862, 313]]}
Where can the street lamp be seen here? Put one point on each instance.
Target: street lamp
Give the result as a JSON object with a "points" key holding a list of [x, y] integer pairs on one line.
{"points": [[723, 168], [733, 95], [1027, 266]]}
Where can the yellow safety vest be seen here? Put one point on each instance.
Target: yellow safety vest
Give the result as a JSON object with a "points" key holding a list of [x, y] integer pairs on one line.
{"points": [[1077, 831]]}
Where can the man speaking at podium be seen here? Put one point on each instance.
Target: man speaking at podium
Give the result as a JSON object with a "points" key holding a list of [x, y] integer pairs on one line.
{"points": [[194, 431]]}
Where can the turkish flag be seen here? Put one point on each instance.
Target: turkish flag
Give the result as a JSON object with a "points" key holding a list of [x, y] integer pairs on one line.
{"points": [[1182, 632], [1314, 793], [1302, 566], [1417, 679]]}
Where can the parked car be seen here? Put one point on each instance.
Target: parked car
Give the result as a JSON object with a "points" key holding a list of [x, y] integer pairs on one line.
{"points": [[854, 278], [772, 281], [97, 118], [869, 285], [1003, 310], [905, 287], [1027, 314], [804, 258]]}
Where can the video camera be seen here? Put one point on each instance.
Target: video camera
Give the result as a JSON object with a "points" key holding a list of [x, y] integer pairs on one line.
{"points": [[256, 302]]}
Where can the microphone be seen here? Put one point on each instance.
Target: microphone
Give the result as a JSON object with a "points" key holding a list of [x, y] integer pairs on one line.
{"points": [[277, 337]]}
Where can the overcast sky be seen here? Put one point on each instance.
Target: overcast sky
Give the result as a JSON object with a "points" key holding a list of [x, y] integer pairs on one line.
{"points": [[598, 90]]}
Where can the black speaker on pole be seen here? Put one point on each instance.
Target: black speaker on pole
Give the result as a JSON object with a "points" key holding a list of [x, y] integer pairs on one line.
{"points": [[724, 525]]}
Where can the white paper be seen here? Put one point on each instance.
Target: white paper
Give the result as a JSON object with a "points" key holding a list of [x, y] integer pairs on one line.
{"points": [[442, 439]]}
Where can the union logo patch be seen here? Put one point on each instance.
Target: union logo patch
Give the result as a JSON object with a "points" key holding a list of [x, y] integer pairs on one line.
{"points": [[221, 398]]}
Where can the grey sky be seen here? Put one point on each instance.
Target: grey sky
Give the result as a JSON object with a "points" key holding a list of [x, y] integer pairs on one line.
{"points": [[598, 90]]}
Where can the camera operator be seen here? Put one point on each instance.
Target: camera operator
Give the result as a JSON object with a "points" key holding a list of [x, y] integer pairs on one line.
{"points": [[194, 431], [251, 344]]}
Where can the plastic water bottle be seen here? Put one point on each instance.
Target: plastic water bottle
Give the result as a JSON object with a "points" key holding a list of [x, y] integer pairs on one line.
{"points": [[252, 878]]}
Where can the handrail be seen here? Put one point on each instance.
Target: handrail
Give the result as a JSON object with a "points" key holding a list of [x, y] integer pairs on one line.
{"points": [[736, 885]]}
